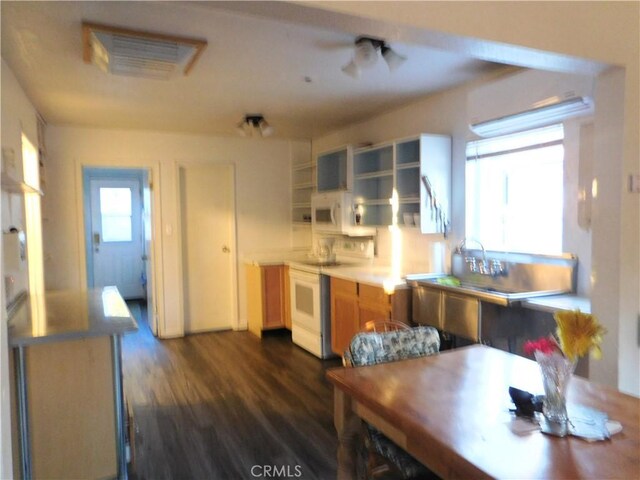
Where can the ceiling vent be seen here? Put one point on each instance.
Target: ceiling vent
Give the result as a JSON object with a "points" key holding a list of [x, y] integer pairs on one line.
{"points": [[120, 51]]}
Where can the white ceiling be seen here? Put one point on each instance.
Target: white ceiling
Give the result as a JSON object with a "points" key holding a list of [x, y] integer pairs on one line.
{"points": [[252, 65]]}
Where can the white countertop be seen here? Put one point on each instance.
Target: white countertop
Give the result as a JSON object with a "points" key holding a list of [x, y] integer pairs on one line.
{"points": [[69, 315], [275, 258], [555, 303], [380, 275], [362, 271], [375, 275]]}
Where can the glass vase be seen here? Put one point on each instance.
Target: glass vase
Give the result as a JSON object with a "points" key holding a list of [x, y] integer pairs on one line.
{"points": [[556, 372]]}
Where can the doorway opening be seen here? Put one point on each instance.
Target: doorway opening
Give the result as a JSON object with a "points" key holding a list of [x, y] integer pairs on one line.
{"points": [[118, 233]]}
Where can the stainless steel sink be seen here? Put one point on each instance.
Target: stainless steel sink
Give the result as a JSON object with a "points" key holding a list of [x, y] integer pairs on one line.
{"points": [[459, 310], [478, 308], [486, 294], [490, 294]]}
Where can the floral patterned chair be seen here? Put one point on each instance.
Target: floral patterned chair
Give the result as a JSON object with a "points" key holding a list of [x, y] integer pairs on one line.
{"points": [[369, 348]]}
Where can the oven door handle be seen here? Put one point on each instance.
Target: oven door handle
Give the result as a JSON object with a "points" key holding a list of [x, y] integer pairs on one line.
{"points": [[305, 277], [333, 213]]}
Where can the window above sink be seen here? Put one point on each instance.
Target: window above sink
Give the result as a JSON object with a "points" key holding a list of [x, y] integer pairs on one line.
{"points": [[514, 191]]}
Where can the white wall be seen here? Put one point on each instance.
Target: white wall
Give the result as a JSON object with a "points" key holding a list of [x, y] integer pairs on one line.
{"points": [[446, 113], [560, 36], [18, 115], [434, 114], [262, 199], [578, 172]]}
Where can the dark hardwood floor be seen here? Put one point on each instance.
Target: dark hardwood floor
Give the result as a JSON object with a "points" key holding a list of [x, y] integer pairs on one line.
{"points": [[228, 406]]}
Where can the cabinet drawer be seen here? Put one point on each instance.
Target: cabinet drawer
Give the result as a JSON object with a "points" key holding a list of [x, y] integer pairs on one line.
{"points": [[371, 294], [462, 316], [427, 307], [344, 287]]}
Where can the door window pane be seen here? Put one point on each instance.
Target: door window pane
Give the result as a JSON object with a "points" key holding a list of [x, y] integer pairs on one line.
{"points": [[115, 210], [115, 201]]}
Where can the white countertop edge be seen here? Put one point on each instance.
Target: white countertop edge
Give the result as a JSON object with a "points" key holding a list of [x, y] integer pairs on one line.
{"points": [[92, 317], [555, 303], [366, 272], [372, 279]]}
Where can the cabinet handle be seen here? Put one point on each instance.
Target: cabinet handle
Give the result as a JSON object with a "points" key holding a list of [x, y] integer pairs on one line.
{"points": [[225, 249]]}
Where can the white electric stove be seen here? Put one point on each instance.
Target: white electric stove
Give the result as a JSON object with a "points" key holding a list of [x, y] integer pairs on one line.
{"points": [[311, 295]]}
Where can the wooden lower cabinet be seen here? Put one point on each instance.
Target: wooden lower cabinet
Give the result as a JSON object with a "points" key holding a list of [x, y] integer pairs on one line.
{"points": [[374, 304], [71, 410], [354, 304], [267, 298], [344, 313], [287, 298], [369, 312]]}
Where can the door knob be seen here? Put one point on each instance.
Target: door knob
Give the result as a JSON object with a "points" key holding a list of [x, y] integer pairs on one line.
{"points": [[225, 249]]}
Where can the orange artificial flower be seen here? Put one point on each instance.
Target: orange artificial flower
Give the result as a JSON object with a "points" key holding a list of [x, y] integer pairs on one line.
{"points": [[578, 333]]}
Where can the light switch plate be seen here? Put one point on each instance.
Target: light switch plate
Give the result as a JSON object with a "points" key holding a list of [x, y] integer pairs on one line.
{"points": [[634, 183], [9, 160]]}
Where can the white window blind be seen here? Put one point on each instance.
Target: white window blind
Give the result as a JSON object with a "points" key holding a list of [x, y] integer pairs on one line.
{"points": [[531, 139], [514, 191]]}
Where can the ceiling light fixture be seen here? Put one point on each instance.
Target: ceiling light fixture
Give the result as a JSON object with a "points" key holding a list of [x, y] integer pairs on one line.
{"points": [[254, 123], [533, 118], [366, 56]]}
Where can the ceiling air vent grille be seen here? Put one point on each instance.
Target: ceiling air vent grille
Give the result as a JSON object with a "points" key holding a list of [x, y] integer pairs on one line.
{"points": [[127, 52]]}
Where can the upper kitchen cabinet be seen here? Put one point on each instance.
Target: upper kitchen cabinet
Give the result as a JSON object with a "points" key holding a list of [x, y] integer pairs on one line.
{"points": [[423, 182], [418, 169], [373, 183], [334, 169], [303, 183]]}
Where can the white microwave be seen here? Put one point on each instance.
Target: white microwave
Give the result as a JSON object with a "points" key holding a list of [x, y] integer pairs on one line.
{"points": [[333, 212]]}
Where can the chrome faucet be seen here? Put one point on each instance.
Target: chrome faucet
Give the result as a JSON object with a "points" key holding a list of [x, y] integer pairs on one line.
{"points": [[482, 266], [497, 268], [461, 246], [474, 264]]}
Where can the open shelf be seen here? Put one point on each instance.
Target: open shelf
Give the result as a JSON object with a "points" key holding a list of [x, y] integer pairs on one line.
{"points": [[366, 176], [303, 166], [407, 166], [301, 186]]}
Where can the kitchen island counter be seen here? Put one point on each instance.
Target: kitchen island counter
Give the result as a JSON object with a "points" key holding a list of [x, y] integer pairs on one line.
{"points": [[67, 361], [69, 314]]}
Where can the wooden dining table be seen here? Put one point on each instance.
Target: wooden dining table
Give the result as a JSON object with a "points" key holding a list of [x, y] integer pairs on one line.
{"points": [[451, 412]]}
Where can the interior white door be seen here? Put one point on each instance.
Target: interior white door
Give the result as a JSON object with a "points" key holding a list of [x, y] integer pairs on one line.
{"points": [[117, 236], [207, 221]]}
